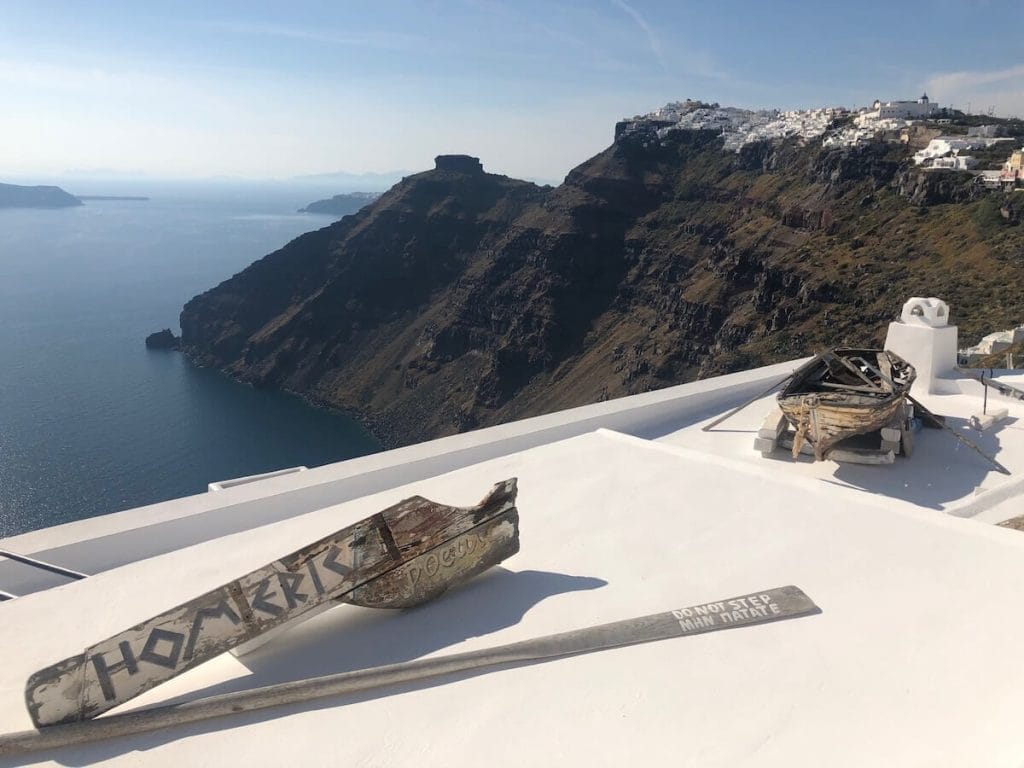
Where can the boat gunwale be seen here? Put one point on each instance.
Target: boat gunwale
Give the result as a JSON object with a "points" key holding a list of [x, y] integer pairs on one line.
{"points": [[825, 417], [801, 374]]}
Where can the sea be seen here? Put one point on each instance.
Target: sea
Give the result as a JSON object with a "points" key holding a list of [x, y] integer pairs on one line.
{"points": [[91, 422]]}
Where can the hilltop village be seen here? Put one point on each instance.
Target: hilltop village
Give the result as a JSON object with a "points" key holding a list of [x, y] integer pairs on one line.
{"points": [[943, 138]]}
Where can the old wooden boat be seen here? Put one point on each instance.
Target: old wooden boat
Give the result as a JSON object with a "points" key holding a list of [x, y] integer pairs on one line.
{"points": [[845, 392]]}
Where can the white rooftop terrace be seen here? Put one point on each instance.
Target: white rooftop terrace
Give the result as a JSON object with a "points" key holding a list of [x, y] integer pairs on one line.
{"points": [[627, 508]]}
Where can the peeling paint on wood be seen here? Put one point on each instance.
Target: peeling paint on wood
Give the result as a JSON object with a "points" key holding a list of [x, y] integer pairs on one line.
{"points": [[402, 556]]}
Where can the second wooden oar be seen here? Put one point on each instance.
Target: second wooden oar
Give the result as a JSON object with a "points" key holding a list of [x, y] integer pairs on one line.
{"points": [[751, 401], [942, 425], [756, 608], [999, 386]]}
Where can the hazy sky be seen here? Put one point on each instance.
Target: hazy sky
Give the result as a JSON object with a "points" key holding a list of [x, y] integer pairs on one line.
{"points": [[273, 89]]}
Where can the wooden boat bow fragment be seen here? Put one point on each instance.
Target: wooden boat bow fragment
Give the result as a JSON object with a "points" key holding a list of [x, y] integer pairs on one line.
{"points": [[402, 556]]}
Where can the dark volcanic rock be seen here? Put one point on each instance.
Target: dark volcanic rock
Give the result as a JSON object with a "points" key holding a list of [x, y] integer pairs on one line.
{"points": [[164, 339], [935, 187], [458, 164], [461, 299], [877, 162], [15, 196]]}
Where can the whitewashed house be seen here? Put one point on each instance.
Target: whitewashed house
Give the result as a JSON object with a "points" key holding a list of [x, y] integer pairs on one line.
{"points": [[992, 344], [946, 147], [955, 163], [906, 110]]}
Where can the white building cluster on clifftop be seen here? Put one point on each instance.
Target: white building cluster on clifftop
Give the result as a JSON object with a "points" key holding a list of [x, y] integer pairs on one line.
{"points": [[740, 127]]}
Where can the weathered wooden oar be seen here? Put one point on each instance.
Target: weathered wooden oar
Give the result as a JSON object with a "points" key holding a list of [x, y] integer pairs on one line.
{"points": [[402, 556], [998, 386], [751, 401], [941, 424], [757, 608]]}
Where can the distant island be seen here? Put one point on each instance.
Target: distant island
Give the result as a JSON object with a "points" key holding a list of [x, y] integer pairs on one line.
{"points": [[16, 196], [112, 197], [341, 205]]}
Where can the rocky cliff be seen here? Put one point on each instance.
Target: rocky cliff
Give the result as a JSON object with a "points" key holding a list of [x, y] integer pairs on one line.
{"points": [[461, 298], [17, 196], [341, 205]]}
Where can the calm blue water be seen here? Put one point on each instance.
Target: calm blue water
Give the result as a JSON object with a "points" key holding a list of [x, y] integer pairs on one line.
{"points": [[90, 421]]}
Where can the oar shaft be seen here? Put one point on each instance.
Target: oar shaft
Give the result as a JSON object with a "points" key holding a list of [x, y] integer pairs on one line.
{"points": [[757, 608], [737, 409], [935, 420], [1000, 387]]}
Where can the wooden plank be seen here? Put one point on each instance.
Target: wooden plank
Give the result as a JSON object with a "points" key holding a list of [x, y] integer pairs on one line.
{"points": [[885, 383], [334, 568], [852, 388], [770, 605], [885, 367], [907, 441], [892, 446], [856, 371], [845, 455], [857, 456], [433, 573], [891, 434]]}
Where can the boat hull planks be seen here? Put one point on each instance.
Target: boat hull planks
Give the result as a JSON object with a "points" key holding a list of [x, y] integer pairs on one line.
{"points": [[845, 393]]}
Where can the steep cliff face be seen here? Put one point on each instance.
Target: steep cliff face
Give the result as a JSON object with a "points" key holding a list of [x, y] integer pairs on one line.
{"points": [[341, 205], [17, 196], [461, 299]]}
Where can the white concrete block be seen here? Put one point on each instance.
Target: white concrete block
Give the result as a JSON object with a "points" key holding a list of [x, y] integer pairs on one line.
{"points": [[983, 421], [773, 425], [932, 352], [891, 445]]}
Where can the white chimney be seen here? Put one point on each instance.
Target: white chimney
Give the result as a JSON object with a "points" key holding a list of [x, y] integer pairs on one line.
{"points": [[925, 339]]}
